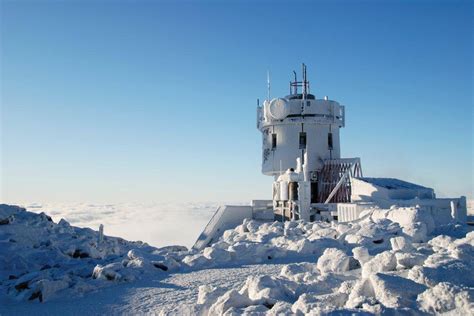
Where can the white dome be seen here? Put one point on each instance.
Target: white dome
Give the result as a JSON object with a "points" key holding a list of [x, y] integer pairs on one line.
{"points": [[279, 108]]}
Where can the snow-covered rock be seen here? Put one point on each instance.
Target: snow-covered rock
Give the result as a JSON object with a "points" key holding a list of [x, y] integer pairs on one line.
{"points": [[231, 299], [361, 254], [266, 290], [445, 297], [253, 310], [407, 217], [217, 255], [312, 303], [385, 261], [300, 272], [395, 291], [208, 294], [333, 260], [409, 260], [400, 243], [41, 260], [280, 308], [456, 272]]}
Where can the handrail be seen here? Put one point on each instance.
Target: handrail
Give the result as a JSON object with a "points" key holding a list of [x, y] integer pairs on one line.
{"points": [[208, 229]]}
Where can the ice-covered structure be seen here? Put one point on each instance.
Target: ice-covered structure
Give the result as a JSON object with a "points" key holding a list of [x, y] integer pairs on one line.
{"points": [[301, 150]]}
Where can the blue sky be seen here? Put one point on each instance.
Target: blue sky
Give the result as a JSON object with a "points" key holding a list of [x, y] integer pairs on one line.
{"points": [[155, 101]]}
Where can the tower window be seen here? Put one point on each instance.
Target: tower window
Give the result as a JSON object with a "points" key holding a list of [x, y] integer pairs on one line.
{"points": [[330, 141], [302, 140], [274, 141]]}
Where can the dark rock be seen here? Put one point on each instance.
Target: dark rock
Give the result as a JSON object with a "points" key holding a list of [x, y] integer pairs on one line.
{"points": [[4, 221], [45, 267], [22, 286], [353, 264], [44, 216], [45, 243], [160, 266], [109, 277], [12, 277], [36, 295], [378, 241], [79, 254]]}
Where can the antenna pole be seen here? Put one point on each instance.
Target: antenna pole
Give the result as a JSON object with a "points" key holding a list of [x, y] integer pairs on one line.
{"points": [[296, 84], [268, 84], [305, 82]]}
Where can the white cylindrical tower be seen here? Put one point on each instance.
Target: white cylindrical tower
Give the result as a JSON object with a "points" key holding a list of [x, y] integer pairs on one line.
{"points": [[298, 124], [300, 135]]}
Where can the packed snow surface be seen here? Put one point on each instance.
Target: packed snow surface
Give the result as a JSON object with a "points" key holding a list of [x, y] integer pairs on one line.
{"points": [[392, 260]]}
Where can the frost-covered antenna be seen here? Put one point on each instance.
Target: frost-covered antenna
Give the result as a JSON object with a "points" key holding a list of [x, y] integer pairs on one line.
{"points": [[268, 85], [305, 82], [296, 87]]}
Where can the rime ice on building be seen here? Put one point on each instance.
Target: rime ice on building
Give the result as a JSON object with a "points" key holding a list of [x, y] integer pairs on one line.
{"points": [[301, 150]]}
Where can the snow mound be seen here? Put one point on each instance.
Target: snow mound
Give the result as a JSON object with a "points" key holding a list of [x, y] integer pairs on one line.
{"points": [[41, 260], [333, 260], [231, 299], [396, 267], [385, 261], [260, 242], [446, 297]]}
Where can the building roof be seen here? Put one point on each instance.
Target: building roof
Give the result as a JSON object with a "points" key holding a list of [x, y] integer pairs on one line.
{"points": [[393, 184]]}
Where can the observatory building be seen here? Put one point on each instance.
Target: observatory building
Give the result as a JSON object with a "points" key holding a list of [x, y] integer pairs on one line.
{"points": [[301, 151]]}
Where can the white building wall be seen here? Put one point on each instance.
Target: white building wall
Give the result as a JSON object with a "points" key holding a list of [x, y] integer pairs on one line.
{"points": [[314, 117]]}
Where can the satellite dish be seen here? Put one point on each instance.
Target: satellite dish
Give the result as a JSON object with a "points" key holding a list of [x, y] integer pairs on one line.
{"points": [[279, 108]]}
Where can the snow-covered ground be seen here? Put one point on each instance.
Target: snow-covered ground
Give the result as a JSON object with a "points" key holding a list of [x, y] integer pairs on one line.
{"points": [[171, 293], [388, 260]]}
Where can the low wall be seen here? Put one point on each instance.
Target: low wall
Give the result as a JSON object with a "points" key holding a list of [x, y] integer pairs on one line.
{"points": [[347, 212], [440, 209]]}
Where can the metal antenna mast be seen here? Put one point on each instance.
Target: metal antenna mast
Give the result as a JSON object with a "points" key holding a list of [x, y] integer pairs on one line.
{"points": [[268, 84], [296, 87], [305, 82]]}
